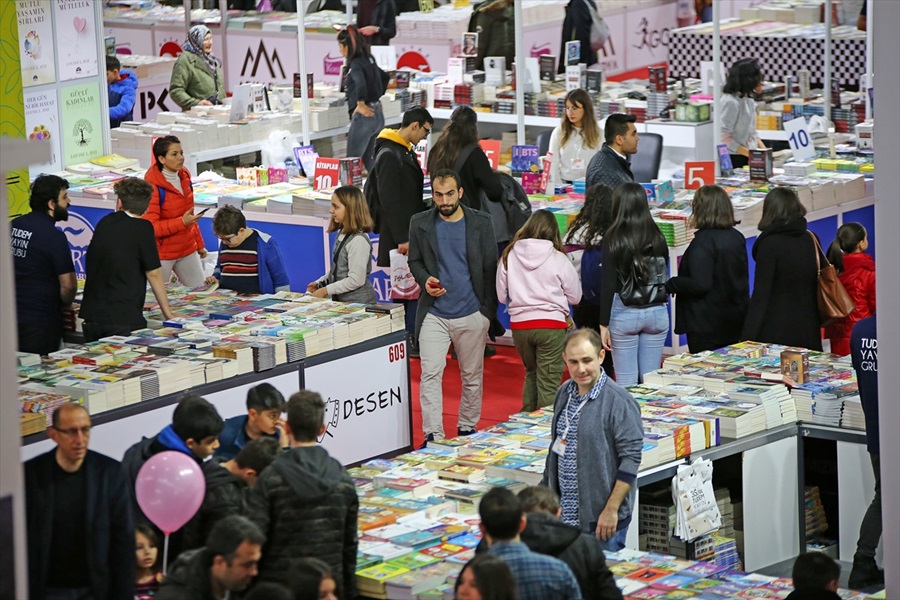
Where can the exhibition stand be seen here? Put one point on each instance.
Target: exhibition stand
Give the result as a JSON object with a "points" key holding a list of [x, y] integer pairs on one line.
{"points": [[367, 415]]}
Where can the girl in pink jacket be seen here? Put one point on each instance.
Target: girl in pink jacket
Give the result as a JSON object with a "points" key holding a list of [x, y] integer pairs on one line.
{"points": [[537, 282]]}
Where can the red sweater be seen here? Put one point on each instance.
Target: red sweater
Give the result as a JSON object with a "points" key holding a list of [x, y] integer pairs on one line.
{"points": [[858, 278], [173, 239]]}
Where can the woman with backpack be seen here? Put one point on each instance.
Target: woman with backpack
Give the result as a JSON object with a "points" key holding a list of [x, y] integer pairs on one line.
{"points": [[537, 282], [634, 318], [366, 83]]}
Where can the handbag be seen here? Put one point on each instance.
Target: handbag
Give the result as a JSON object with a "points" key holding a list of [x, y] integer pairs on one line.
{"points": [[403, 284], [599, 28], [832, 298], [645, 285]]}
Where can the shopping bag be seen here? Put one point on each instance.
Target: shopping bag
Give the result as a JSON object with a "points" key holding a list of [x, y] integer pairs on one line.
{"points": [[599, 28], [403, 286], [696, 510]]}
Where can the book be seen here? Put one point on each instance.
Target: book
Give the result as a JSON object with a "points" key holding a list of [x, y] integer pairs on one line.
{"points": [[547, 64]]}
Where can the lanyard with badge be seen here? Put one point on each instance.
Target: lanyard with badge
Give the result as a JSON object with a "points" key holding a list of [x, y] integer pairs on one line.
{"points": [[559, 446]]}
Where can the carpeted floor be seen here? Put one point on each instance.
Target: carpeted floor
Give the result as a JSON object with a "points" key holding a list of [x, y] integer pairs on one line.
{"points": [[503, 377]]}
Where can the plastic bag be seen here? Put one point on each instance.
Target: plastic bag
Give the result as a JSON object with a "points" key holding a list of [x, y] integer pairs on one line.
{"points": [[403, 285]]}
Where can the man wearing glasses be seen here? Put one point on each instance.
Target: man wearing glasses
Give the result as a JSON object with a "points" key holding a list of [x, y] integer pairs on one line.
{"points": [[249, 261], [453, 257], [80, 528], [394, 192]]}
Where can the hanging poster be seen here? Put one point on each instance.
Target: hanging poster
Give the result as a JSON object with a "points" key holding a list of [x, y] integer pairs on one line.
{"points": [[35, 42], [42, 125], [82, 123], [76, 42]]}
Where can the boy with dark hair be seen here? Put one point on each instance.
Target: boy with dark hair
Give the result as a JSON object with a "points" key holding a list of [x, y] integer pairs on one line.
{"points": [[123, 84], [263, 419], [249, 260], [228, 563], [537, 576], [194, 431], [306, 502], [43, 267], [121, 260], [610, 165], [815, 577], [227, 485]]}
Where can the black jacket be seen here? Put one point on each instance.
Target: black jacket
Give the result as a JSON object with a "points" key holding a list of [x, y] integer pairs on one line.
{"points": [[188, 578], [577, 26], [481, 252], [783, 308], [306, 505], [495, 24], [712, 287], [613, 274], [226, 495], [608, 168], [476, 176], [385, 17], [109, 530], [546, 534], [399, 182]]}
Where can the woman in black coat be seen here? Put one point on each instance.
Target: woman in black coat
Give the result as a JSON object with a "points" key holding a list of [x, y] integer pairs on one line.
{"points": [[783, 307], [577, 26], [712, 285]]}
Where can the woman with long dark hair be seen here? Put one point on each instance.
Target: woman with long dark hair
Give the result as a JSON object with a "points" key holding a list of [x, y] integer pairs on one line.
{"points": [[738, 107], [784, 306], [312, 579], [366, 83], [178, 239], [712, 285], [537, 282], [575, 141], [485, 577], [634, 318]]}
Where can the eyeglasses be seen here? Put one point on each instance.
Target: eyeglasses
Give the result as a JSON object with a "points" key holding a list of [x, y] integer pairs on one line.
{"points": [[227, 238], [73, 431], [574, 108]]}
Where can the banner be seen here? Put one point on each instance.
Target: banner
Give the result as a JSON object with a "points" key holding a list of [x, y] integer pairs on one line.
{"points": [[13, 122], [76, 39], [36, 42], [82, 123], [42, 125]]}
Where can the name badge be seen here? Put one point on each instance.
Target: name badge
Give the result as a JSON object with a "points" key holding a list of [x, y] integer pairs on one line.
{"points": [[578, 163], [559, 446]]}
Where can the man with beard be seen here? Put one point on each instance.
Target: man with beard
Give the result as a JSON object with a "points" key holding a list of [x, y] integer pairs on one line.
{"points": [[453, 257], [44, 272]]}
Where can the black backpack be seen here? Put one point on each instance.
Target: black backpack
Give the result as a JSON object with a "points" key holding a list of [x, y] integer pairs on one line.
{"points": [[591, 275], [370, 191], [515, 203]]}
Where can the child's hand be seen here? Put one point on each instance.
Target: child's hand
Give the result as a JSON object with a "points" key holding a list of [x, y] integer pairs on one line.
{"points": [[210, 280], [311, 287]]}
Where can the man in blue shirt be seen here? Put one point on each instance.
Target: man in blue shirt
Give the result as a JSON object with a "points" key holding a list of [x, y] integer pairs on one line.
{"points": [[537, 576], [42, 261], [453, 258]]}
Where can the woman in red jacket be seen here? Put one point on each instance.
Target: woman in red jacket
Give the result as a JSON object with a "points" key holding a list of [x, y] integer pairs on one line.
{"points": [[171, 211], [856, 270]]}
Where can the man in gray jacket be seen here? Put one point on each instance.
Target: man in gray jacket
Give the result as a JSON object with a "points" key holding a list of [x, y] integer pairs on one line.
{"points": [[596, 443], [610, 165], [453, 258]]}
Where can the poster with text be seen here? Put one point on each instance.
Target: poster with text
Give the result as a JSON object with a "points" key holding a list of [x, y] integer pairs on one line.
{"points": [[76, 43], [42, 125], [35, 42], [82, 120]]}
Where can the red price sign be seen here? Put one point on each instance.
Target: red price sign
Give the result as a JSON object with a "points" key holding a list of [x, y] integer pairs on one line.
{"points": [[421, 151], [698, 174], [327, 173], [491, 149]]}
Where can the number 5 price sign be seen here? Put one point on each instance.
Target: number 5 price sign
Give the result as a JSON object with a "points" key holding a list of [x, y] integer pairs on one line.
{"points": [[700, 173], [799, 139], [327, 171]]}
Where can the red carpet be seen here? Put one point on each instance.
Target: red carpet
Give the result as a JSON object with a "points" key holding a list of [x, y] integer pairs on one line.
{"points": [[503, 378]]}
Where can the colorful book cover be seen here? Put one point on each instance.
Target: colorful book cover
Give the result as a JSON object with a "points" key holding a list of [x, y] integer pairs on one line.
{"points": [[82, 123], [531, 182], [76, 39], [526, 159], [416, 560], [672, 582], [35, 43], [42, 125], [649, 574]]}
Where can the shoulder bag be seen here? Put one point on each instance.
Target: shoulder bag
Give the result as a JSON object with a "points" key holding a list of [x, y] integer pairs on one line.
{"points": [[645, 283], [833, 300]]}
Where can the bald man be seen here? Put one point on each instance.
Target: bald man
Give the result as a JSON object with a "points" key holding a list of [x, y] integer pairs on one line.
{"points": [[80, 529]]}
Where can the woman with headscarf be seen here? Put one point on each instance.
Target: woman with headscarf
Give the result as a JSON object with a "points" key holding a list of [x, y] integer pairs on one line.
{"points": [[197, 75]]}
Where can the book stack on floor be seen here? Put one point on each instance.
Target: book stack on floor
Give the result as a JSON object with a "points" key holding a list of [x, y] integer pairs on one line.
{"points": [[816, 523]]}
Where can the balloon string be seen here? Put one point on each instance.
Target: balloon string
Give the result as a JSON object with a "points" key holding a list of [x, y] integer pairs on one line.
{"points": [[165, 554]]}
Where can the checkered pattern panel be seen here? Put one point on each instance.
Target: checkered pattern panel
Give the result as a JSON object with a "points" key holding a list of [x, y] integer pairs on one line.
{"points": [[779, 57]]}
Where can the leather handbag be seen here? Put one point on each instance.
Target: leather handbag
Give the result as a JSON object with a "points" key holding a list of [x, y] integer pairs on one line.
{"points": [[645, 284], [833, 300]]}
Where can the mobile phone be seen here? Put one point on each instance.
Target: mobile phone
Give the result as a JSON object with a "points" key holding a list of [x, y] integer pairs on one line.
{"points": [[435, 286], [204, 210]]}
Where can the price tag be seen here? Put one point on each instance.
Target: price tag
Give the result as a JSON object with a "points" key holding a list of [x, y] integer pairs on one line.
{"points": [[700, 173], [327, 173], [421, 150], [799, 139], [491, 149]]}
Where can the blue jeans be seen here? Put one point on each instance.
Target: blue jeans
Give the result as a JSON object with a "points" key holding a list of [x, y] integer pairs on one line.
{"points": [[362, 133], [616, 542], [638, 335]]}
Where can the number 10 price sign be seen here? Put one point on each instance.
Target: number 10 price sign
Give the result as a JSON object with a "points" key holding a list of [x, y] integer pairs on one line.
{"points": [[327, 170], [799, 139]]}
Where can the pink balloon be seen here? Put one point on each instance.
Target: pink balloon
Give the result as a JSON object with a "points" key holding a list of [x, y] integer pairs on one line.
{"points": [[170, 489]]}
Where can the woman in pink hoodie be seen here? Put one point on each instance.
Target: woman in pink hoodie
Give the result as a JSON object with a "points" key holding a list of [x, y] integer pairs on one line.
{"points": [[537, 282]]}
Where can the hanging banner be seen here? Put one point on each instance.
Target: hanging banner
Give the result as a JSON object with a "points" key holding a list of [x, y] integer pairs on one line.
{"points": [[82, 123], [13, 122], [42, 125], [76, 39], [35, 42]]}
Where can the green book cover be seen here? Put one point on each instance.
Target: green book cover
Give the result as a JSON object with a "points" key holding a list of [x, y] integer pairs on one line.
{"points": [[82, 119]]}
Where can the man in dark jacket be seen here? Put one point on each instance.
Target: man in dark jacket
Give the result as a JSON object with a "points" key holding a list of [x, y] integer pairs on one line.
{"points": [[227, 485], [227, 564], [577, 26], [306, 502], [398, 182], [377, 20], [194, 431], [610, 165], [123, 85], [80, 530]]}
